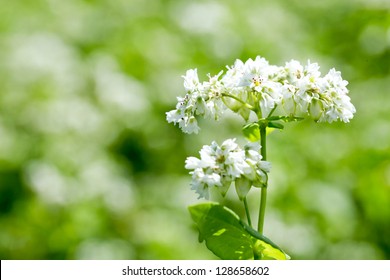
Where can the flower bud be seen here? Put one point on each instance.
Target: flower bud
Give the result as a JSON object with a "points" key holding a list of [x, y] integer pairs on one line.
{"points": [[316, 109], [243, 185]]}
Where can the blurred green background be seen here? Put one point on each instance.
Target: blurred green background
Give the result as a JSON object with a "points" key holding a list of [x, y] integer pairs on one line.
{"points": [[90, 169]]}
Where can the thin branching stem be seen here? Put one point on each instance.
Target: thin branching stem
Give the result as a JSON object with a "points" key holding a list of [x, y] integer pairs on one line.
{"points": [[250, 107], [272, 111], [248, 215]]}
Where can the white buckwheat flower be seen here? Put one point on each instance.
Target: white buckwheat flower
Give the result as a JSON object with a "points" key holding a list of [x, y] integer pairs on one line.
{"points": [[184, 114], [294, 90], [203, 99], [219, 166], [338, 105], [191, 80]]}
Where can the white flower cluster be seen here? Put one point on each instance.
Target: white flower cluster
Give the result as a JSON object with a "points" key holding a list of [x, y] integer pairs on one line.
{"points": [[203, 99], [219, 166], [292, 90], [305, 93]]}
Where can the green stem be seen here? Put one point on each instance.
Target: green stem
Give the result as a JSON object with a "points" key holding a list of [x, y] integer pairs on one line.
{"points": [[250, 107], [263, 141], [247, 212], [272, 111], [263, 202], [263, 194]]}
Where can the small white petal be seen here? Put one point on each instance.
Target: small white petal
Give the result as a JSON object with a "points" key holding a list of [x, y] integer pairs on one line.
{"points": [[193, 163]]}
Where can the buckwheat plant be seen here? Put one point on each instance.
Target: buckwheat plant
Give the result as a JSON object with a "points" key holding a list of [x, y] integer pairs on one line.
{"points": [[265, 96]]}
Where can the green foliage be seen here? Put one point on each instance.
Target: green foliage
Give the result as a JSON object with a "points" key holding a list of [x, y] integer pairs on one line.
{"points": [[252, 132], [277, 125], [230, 238]]}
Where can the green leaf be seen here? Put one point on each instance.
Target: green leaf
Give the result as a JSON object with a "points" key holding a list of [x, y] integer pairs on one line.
{"points": [[222, 232], [230, 238], [269, 130], [264, 247], [275, 124], [268, 252], [252, 132], [285, 118], [275, 118]]}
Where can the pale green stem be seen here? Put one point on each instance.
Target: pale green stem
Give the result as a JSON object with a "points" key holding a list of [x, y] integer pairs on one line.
{"points": [[247, 212], [250, 107], [272, 111], [263, 194], [262, 209]]}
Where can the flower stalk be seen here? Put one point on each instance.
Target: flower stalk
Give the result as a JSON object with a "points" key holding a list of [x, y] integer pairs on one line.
{"points": [[263, 193], [273, 94], [250, 107], [248, 215]]}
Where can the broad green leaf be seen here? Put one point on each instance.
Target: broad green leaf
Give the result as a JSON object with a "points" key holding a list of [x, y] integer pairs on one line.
{"points": [[222, 232], [230, 238], [264, 248], [252, 132], [267, 252]]}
